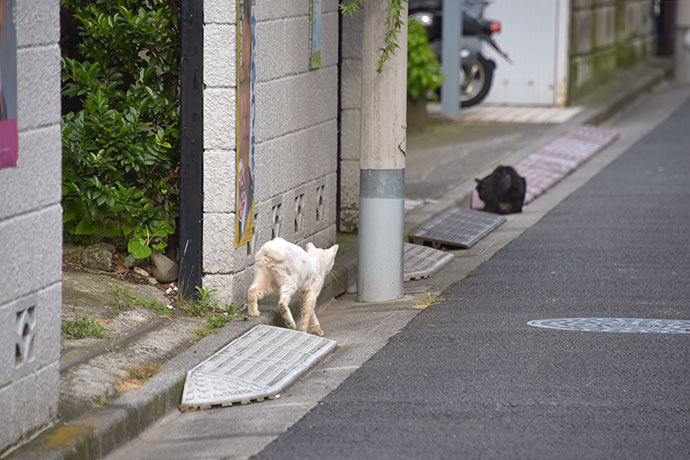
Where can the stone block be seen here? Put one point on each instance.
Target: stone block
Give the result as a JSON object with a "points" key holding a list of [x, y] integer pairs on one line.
{"points": [[646, 18], [269, 11], [295, 159], [350, 134], [220, 55], [31, 245], [219, 181], [34, 179], [220, 12], [296, 44], [581, 74], [625, 17], [23, 413], [38, 87], [604, 64], [351, 84], [349, 220], [272, 110], [45, 332], [219, 242], [322, 239], [219, 118], [271, 58], [582, 4], [605, 27], [231, 287], [582, 31], [349, 184], [38, 23], [329, 39], [7, 343], [312, 98], [351, 35]]}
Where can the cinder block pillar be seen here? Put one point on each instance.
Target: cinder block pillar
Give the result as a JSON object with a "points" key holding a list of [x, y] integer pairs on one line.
{"points": [[30, 221]]}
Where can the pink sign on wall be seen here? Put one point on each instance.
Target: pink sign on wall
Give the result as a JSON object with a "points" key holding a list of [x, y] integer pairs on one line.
{"points": [[9, 144]]}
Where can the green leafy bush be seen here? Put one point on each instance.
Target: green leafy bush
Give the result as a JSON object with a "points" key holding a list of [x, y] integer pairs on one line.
{"points": [[121, 148], [423, 69]]}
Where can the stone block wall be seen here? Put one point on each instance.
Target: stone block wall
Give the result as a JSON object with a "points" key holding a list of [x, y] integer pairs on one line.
{"points": [[605, 35], [296, 137], [31, 234]]}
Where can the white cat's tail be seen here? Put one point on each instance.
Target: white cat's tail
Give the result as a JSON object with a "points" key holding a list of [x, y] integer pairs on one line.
{"points": [[269, 254]]}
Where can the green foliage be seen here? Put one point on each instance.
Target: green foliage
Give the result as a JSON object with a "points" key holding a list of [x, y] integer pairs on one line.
{"points": [[121, 148], [81, 327], [198, 307], [423, 69], [394, 22]]}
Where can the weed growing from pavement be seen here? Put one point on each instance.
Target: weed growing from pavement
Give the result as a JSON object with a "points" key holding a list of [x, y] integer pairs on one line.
{"points": [[215, 313], [125, 300], [138, 376], [430, 299], [218, 317], [83, 326]]}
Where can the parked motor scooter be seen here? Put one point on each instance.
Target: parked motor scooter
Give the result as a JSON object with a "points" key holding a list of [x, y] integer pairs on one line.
{"points": [[476, 71]]}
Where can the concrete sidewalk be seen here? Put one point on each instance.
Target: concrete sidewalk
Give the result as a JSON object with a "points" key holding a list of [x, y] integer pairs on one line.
{"points": [[100, 430]]}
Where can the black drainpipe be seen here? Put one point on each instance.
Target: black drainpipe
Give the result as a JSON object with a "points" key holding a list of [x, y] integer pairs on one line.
{"points": [[191, 146]]}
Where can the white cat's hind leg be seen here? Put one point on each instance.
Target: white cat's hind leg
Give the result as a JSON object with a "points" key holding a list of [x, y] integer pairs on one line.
{"points": [[315, 326], [286, 293], [260, 288], [308, 303]]}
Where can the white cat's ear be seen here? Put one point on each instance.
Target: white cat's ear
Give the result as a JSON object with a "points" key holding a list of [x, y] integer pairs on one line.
{"points": [[310, 246], [334, 249]]}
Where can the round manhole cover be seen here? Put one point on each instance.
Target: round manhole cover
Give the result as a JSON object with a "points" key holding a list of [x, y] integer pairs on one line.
{"points": [[660, 326]]}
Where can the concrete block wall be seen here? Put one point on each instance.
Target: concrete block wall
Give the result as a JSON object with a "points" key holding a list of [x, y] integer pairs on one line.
{"points": [[31, 234], [605, 35], [296, 137]]}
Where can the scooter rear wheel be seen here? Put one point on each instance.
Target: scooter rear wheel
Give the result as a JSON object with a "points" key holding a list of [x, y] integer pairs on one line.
{"points": [[475, 81]]}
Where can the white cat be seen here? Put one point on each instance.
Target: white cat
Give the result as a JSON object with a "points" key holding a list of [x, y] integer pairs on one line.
{"points": [[283, 266]]}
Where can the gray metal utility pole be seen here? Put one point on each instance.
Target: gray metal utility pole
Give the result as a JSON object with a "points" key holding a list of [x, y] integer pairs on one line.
{"points": [[382, 161], [682, 53], [451, 33]]}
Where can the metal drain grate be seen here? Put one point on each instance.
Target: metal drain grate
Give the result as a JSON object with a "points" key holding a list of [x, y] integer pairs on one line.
{"points": [[422, 261], [457, 227], [255, 366], [640, 325]]}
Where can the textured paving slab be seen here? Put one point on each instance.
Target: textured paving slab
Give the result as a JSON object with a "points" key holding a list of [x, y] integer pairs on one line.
{"points": [[538, 180], [513, 113], [640, 325], [456, 227], [548, 165], [421, 261], [253, 367]]}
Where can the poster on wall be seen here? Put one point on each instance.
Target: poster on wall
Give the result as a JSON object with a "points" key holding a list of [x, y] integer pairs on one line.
{"points": [[315, 34], [246, 117], [9, 145]]}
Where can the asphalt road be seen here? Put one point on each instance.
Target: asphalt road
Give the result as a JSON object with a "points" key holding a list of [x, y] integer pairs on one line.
{"points": [[468, 378]]}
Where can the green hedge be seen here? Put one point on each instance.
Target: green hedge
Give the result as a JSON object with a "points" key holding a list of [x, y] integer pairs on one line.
{"points": [[121, 147]]}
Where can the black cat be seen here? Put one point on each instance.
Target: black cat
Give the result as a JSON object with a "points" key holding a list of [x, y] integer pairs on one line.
{"points": [[502, 191]]}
